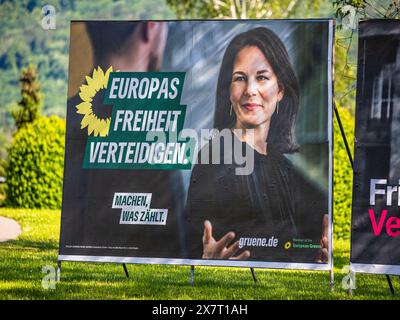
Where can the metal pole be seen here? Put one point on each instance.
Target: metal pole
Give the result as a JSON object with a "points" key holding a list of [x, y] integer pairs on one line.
{"points": [[253, 274], [352, 167], [126, 270], [191, 276], [343, 136], [351, 284], [390, 284], [58, 271], [330, 243]]}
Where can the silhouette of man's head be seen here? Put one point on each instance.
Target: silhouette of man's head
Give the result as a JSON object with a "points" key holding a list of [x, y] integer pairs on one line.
{"points": [[135, 46]]}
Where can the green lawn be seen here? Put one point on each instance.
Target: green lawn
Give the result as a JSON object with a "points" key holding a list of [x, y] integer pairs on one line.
{"points": [[22, 260]]}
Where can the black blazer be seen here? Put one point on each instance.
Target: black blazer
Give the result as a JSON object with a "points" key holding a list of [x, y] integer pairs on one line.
{"points": [[275, 200]]}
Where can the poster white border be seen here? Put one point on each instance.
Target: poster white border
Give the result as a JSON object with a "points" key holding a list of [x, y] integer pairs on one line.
{"points": [[252, 264], [196, 262], [375, 268]]}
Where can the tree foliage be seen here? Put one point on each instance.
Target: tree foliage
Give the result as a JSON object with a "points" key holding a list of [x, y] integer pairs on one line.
{"points": [[348, 13], [239, 9], [30, 104], [24, 42], [367, 9]]}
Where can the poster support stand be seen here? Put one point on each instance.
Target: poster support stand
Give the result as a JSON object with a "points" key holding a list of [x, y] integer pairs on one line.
{"points": [[331, 279], [254, 275], [125, 270], [390, 284], [352, 167], [191, 276], [351, 285], [58, 271], [343, 136]]}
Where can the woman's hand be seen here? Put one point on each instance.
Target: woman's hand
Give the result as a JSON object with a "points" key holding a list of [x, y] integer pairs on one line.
{"points": [[213, 249], [323, 255]]}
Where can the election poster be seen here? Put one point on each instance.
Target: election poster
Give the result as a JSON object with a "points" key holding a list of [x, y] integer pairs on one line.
{"points": [[375, 236], [199, 143]]}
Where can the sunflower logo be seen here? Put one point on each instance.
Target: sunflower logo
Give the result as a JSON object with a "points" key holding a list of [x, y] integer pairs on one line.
{"points": [[95, 124]]}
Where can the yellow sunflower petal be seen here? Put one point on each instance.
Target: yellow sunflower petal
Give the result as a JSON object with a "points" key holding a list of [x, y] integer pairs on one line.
{"points": [[99, 127], [95, 131], [84, 108], [92, 125], [105, 128], [98, 79], [106, 76], [86, 93], [100, 74], [89, 81], [94, 74], [85, 121], [94, 77]]}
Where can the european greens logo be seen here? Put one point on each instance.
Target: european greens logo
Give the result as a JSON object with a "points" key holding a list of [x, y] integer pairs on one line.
{"points": [[95, 125], [144, 129]]}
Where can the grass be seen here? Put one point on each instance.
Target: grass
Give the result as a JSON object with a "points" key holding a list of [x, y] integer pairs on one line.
{"points": [[22, 260]]}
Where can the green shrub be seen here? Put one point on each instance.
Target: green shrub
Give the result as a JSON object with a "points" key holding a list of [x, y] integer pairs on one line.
{"points": [[342, 176], [35, 165], [2, 185]]}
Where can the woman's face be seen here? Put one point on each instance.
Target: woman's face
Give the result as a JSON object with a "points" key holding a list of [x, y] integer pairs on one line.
{"points": [[254, 90]]}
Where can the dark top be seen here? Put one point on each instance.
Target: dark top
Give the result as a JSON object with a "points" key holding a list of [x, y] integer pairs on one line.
{"points": [[275, 200]]}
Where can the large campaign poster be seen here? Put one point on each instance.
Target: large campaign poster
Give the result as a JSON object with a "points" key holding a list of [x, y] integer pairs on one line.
{"points": [[199, 143], [375, 217]]}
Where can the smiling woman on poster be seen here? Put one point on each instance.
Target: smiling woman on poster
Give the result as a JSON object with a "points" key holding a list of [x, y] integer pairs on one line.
{"points": [[274, 213]]}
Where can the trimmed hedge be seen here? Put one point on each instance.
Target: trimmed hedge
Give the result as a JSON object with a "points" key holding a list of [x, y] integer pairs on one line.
{"points": [[35, 165], [342, 175]]}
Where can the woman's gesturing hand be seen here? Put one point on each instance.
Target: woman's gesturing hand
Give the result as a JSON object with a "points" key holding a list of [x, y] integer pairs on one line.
{"points": [[213, 249]]}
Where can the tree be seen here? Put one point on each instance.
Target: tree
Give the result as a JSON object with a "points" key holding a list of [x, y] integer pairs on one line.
{"points": [[241, 9], [31, 102], [348, 12], [354, 9]]}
